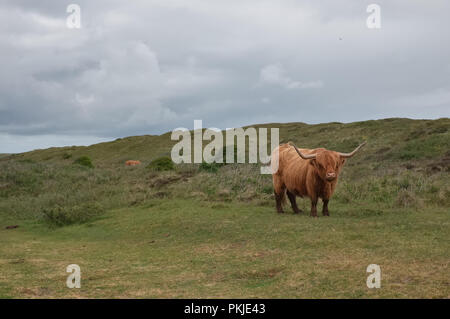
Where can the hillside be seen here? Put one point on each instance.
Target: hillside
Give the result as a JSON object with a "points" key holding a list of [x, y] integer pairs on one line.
{"points": [[197, 231], [397, 140], [404, 160]]}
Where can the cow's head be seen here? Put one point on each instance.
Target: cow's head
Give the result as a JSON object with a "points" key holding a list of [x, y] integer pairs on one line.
{"points": [[328, 163]]}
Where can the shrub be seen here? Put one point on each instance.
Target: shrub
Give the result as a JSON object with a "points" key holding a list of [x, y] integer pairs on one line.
{"points": [[66, 156], [267, 189], [61, 216], [162, 164], [209, 167], [84, 161]]}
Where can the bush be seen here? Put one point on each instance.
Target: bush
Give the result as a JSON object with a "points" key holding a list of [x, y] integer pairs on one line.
{"points": [[61, 216], [267, 189], [162, 164], [66, 156], [210, 167], [84, 161]]}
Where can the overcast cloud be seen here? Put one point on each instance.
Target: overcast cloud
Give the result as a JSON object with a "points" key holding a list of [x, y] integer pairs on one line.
{"points": [[147, 67]]}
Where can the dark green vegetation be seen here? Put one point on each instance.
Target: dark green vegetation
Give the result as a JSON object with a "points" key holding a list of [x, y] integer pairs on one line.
{"points": [[162, 164], [66, 215], [83, 160], [211, 230]]}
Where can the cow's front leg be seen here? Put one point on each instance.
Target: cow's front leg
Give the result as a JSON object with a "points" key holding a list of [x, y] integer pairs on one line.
{"points": [[325, 207], [314, 207]]}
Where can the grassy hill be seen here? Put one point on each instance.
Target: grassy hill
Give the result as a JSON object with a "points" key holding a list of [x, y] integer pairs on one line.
{"points": [[388, 139], [194, 231]]}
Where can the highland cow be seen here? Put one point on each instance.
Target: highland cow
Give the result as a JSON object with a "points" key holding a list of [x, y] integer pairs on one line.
{"points": [[309, 173]]}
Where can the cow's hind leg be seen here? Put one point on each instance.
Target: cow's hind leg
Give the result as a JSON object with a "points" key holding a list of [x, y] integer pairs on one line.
{"points": [[314, 207], [279, 200], [325, 207], [279, 189], [291, 197]]}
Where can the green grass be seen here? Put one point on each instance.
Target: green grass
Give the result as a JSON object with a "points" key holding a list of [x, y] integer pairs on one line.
{"points": [[199, 232], [187, 249]]}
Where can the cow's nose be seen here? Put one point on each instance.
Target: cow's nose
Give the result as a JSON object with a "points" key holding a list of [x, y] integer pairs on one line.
{"points": [[331, 176]]}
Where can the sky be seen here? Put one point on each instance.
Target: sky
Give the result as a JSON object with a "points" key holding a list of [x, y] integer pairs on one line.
{"points": [[148, 67]]}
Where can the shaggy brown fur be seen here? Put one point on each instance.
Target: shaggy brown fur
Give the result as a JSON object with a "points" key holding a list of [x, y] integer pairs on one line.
{"points": [[314, 178]]}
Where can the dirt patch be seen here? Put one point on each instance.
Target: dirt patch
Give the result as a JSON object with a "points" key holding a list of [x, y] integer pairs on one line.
{"points": [[441, 165]]}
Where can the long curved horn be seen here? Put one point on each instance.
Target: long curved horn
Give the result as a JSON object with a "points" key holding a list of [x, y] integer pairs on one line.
{"points": [[345, 155], [304, 156]]}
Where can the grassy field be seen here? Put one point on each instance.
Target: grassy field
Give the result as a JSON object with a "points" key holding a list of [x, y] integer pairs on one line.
{"points": [[196, 232]]}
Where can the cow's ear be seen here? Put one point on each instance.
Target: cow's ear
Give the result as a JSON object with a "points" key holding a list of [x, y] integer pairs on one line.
{"points": [[313, 162], [343, 161]]}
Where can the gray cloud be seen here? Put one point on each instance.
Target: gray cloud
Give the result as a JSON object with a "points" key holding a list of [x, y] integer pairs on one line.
{"points": [[149, 66], [275, 74]]}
